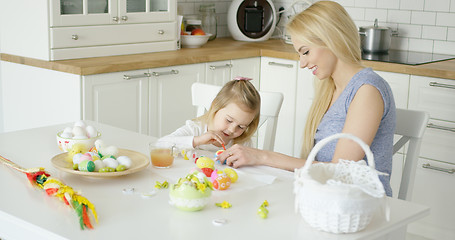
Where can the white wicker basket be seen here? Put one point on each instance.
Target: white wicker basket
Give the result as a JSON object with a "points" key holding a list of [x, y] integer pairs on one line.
{"points": [[338, 197]]}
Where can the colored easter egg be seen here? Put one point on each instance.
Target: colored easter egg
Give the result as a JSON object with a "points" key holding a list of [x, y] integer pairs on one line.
{"points": [[205, 162], [232, 174], [207, 171], [86, 166], [214, 175], [222, 182], [218, 153]]}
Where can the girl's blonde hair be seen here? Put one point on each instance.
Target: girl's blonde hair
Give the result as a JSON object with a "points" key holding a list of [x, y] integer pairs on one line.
{"points": [[325, 24], [245, 95]]}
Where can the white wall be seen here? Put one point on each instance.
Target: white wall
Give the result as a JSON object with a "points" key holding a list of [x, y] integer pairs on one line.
{"points": [[1, 101], [423, 25]]}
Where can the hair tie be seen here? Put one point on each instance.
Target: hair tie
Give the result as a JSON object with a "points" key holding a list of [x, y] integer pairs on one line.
{"points": [[238, 78]]}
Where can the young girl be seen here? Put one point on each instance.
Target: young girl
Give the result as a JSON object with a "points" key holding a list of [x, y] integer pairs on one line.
{"points": [[349, 98], [232, 118]]}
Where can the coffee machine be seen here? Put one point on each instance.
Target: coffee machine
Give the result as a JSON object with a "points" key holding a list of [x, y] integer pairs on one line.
{"points": [[251, 20]]}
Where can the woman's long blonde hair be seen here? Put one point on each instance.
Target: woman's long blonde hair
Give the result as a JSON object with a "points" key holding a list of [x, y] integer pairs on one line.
{"points": [[325, 24], [245, 95]]}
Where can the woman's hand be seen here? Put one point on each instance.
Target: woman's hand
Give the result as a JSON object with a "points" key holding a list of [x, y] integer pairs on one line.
{"points": [[209, 137], [239, 155]]}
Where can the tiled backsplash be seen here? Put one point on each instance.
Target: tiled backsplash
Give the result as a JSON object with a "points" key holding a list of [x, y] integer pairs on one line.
{"points": [[423, 25]]}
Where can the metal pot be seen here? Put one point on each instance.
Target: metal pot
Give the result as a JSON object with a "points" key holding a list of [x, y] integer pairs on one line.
{"points": [[375, 38]]}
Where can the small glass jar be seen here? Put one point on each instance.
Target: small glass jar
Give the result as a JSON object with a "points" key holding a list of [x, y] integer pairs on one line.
{"points": [[208, 18], [192, 24]]}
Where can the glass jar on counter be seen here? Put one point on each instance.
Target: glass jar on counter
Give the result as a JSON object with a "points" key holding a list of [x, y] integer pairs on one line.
{"points": [[208, 18], [192, 24]]}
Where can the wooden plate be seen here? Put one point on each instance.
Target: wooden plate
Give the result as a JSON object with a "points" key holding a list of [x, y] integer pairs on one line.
{"points": [[139, 162]]}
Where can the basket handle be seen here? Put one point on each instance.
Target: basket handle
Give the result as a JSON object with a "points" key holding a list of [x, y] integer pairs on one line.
{"points": [[324, 141]]}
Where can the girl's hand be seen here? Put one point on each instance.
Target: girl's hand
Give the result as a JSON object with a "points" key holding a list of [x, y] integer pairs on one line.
{"points": [[239, 155], [209, 137]]}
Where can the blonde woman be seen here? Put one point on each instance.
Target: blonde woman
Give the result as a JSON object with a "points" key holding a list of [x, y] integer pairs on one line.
{"points": [[232, 118], [349, 98]]}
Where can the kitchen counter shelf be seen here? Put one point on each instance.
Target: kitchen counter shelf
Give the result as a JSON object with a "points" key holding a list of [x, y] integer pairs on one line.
{"points": [[217, 50]]}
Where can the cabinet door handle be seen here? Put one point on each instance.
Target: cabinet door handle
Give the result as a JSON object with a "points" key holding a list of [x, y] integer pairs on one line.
{"points": [[115, 19], [160, 32], [125, 18], [157, 74], [441, 85], [75, 37], [434, 126], [129, 77], [213, 67], [447, 170], [281, 64]]}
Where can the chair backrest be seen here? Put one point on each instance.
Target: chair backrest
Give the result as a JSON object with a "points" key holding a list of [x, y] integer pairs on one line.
{"points": [[203, 95], [410, 126]]}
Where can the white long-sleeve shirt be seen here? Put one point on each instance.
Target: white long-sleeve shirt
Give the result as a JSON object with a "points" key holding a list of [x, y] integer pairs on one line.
{"points": [[183, 137]]}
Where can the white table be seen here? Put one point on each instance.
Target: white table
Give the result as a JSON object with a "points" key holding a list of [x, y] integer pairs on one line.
{"points": [[27, 212]]}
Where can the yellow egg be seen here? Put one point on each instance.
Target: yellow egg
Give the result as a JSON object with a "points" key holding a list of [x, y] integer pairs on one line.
{"points": [[205, 162], [232, 174]]}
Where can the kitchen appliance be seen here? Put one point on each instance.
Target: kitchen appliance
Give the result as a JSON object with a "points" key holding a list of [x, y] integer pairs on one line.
{"points": [[375, 38], [406, 57], [251, 20]]}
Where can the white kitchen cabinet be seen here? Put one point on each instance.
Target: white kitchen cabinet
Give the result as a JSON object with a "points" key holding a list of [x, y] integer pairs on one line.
{"points": [[434, 188], [433, 95], [399, 83], [150, 101], [220, 72], [304, 99], [94, 12], [67, 29], [280, 75], [119, 99], [170, 97], [435, 174]]}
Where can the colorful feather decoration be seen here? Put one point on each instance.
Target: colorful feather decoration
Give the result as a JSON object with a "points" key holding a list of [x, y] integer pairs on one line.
{"points": [[54, 187]]}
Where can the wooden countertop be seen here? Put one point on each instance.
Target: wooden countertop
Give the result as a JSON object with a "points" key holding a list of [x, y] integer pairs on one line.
{"points": [[217, 50]]}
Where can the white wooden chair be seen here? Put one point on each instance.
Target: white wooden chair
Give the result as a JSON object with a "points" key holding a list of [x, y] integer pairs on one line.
{"points": [[203, 95], [410, 126]]}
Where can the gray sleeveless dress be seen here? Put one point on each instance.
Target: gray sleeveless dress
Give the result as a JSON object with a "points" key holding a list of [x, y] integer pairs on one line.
{"points": [[334, 118]]}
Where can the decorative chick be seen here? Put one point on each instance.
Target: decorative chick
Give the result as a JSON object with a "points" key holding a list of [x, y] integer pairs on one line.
{"points": [[75, 149]]}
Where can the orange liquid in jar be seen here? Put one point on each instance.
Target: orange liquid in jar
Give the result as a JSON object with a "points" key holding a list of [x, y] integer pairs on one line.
{"points": [[161, 158]]}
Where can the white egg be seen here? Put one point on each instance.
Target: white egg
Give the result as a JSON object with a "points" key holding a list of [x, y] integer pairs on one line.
{"points": [[80, 137], [91, 131], [110, 162], [77, 158], [125, 161], [68, 130], [98, 165], [66, 135], [79, 131], [80, 124], [99, 144], [109, 151]]}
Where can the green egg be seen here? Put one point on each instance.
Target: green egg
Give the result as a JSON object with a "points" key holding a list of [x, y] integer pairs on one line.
{"points": [[86, 166], [104, 169], [120, 168], [75, 166]]}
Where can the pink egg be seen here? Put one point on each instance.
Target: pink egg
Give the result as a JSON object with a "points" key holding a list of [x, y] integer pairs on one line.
{"points": [[85, 156]]}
